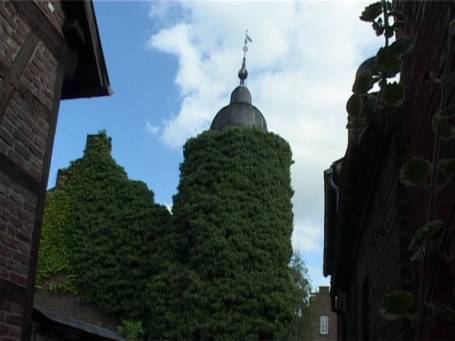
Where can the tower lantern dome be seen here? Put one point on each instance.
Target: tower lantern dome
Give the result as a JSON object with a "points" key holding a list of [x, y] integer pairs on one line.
{"points": [[240, 112]]}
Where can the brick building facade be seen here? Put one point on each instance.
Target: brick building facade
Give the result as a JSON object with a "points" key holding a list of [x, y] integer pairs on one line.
{"points": [[48, 51], [323, 319], [370, 216]]}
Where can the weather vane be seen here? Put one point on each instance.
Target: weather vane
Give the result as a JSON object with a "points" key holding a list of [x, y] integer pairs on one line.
{"points": [[243, 73], [245, 42]]}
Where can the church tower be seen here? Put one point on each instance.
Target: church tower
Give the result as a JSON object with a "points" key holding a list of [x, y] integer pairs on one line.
{"points": [[233, 218]]}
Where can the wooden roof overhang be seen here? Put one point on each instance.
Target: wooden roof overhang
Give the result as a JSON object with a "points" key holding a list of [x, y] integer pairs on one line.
{"points": [[70, 329], [89, 76]]}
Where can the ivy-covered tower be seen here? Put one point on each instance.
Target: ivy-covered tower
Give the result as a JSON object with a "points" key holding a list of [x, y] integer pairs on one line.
{"points": [[233, 218]]}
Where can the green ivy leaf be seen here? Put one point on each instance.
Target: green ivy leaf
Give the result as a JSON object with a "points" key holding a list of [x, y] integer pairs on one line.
{"points": [[443, 126], [396, 304], [392, 94], [442, 310], [371, 12], [402, 46], [354, 106], [419, 254], [425, 233], [363, 83], [447, 167], [452, 28], [368, 65], [388, 62], [388, 32], [370, 104], [415, 172], [378, 27]]}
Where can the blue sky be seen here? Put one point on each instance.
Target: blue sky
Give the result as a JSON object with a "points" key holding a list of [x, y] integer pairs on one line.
{"points": [[172, 66]]}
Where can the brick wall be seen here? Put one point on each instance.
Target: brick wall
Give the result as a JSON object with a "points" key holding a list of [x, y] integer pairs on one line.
{"points": [[377, 261], [320, 306], [383, 214], [430, 54], [30, 85]]}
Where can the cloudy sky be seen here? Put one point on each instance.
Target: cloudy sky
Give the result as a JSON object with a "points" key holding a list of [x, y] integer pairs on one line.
{"points": [[173, 65]]}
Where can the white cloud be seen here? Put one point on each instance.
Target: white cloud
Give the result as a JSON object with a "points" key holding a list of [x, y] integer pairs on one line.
{"points": [[301, 66], [151, 129], [306, 238]]}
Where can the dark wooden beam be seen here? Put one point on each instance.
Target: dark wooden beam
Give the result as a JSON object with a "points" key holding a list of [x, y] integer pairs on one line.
{"points": [[64, 58], [19, 175], [12, 78], [32, 14], [12, 292]]}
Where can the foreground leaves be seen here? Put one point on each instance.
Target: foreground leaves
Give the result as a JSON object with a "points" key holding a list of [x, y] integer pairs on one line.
{"points": [[441, 310], [396, 305], [423, 235], [354, 106], [392, 94], [415, 172], [371, 12]]}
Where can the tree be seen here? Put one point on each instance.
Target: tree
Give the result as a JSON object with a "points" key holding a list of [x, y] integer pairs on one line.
{"points": [[300, 327]]}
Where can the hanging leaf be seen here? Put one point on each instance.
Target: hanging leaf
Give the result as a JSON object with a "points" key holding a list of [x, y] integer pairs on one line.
{"points": [[371, 12], [447, 112], [442, 310], [354, 106], [415, 172], [363, 83], [396, 304], [425, 233], [377, 27], [447, 167], [392, 94]]}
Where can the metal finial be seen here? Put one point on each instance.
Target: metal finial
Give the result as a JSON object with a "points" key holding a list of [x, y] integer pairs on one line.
{"points": [[243, 73]]}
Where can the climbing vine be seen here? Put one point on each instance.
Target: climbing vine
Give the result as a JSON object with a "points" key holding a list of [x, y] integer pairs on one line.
{"points": [[54, 246]]}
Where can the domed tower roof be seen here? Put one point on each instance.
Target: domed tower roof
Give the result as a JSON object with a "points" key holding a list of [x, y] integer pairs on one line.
{"points": [[240, 112]]}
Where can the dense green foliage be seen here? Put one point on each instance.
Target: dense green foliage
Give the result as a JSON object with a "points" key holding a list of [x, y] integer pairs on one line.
{"points": [[101, 229], [131, 330], [54, 251], [232, 224]]}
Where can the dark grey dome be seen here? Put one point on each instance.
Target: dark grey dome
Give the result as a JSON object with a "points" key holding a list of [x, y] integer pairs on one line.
{"points": [[239, 113]]}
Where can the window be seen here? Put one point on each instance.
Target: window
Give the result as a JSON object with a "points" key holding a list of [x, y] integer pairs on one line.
{"points": [[324, 325]]}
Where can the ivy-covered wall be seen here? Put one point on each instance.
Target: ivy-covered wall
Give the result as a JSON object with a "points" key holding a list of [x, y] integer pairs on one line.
{"points": [[217, 269], [232, 219], [101, 231]]}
